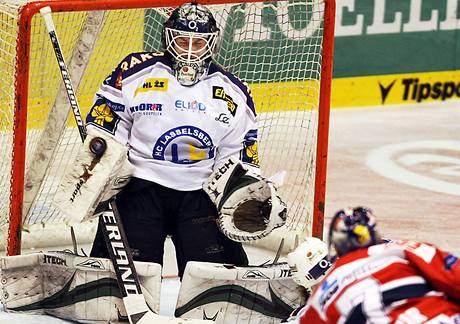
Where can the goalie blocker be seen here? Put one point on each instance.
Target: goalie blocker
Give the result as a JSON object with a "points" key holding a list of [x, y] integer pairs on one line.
{"points": [[248, 205], [100, 170]]}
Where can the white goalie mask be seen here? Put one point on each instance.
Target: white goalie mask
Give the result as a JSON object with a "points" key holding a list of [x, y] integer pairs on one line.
{"points": [[309, 262], [190, 37]]}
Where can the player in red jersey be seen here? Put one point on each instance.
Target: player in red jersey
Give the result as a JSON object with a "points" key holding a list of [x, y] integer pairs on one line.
{"points": [[374, 281]]}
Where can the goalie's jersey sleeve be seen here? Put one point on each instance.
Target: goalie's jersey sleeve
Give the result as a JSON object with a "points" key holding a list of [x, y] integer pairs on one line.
{"points": [[176, 134], [397, 282]]}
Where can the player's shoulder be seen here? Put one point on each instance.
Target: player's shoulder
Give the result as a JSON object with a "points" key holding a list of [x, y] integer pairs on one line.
{"points": [[217, 70], [138, 61], [400, 248], [134, 63]]}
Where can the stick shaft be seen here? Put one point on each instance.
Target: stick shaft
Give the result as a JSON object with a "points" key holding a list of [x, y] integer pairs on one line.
{"points": [[122, 260], [46, 13], [112, 227]]}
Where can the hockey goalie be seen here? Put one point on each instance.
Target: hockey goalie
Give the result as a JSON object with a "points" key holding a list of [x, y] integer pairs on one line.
{"points": [[150, 149], [176, 151]]}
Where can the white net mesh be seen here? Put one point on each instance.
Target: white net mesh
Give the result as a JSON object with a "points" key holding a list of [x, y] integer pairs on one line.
{"points": [[274, 46]]}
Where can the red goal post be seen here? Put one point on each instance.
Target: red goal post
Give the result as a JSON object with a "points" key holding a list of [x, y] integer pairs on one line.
{"points": [[284, 49]]}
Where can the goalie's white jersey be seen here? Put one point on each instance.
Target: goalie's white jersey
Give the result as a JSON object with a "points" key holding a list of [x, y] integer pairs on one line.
{"points": [[175, 134]]}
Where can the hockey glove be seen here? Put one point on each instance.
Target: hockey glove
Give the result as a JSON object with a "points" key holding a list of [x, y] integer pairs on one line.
{"points": [[249, 208], [100, 170]]}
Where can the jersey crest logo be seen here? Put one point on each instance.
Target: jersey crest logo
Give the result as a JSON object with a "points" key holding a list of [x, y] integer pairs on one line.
{"points": [[219, 93], [250, 152], [153, 84], [184, 145], [102, 116]]}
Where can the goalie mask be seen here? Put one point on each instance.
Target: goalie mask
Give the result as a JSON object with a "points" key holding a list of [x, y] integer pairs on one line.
{"points": [[190, 36]]}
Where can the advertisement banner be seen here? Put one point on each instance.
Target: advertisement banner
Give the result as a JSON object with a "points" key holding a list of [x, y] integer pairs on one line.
{"points": [[410, 88]]}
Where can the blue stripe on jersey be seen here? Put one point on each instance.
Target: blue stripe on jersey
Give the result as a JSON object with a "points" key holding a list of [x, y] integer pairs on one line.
{"points": [[356, 316], [388, 297], [215, 68], [405, 292], [136, 62]]}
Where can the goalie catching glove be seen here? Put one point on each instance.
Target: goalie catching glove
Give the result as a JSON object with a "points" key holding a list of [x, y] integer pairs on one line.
{"points": [[249, 208]]}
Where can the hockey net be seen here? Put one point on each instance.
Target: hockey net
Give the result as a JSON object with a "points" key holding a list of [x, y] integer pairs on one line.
{"points": [[283, 49]]}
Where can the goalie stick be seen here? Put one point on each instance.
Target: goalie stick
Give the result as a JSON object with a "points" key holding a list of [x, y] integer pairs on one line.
{"points": [[128, 281], [46, 13]]}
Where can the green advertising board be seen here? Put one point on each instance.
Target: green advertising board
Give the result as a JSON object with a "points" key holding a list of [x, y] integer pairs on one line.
{"points": [[396, 36], [391, 52], [265, 54]]}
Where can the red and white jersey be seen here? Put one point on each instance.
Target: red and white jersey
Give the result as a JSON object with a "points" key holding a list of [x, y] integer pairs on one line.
{"points": [[402, 282], [176, 134]]}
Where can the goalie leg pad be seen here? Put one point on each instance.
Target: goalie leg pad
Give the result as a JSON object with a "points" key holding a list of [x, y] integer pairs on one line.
{"points": [[230, 294], [248, 205], [71, 287], [93, 178]]}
